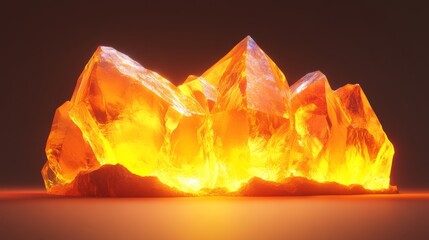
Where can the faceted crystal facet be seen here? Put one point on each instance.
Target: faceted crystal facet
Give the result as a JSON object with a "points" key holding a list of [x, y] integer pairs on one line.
{"points": [[368, 153], [238, 122], [244, 77]]}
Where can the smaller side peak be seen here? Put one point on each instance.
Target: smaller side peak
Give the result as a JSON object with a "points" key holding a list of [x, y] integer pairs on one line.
{"points": [[310, 79], [105, 51], [117, 58], [313, 77], [307, 80], [349, 88], [316, 74], [353, 85], [110, 51], [105, 48]]}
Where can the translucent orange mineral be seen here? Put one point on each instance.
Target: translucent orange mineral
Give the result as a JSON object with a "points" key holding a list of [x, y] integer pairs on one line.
{"points": [[127, 131]]}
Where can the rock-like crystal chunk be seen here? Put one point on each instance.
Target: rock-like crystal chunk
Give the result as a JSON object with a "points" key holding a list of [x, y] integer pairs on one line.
{"points": [[128, 129]]}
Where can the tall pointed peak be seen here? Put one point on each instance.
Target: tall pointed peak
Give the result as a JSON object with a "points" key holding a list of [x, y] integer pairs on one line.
{"points": [[243, 55], [243, 74], [248, 43], [248, 38], [245, 46]]}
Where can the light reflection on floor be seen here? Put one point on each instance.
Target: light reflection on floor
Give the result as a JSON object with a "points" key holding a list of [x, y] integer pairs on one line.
{"points": [[31, 214]]}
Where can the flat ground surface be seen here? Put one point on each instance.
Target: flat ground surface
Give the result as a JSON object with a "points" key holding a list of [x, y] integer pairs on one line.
{"points": [[32, 214]]}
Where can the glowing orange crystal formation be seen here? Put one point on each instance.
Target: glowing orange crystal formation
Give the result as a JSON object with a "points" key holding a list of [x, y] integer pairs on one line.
{"points": [[237, 122]]}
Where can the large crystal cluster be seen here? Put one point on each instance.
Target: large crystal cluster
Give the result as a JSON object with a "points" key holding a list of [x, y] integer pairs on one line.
{"points": [[238, 120]]}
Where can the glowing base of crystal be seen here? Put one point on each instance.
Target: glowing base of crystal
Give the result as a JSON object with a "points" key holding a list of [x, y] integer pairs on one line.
{"points": [[117, 181]]}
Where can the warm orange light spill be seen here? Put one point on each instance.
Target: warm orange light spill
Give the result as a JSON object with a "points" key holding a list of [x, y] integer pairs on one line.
{"points": [[237, 121]]}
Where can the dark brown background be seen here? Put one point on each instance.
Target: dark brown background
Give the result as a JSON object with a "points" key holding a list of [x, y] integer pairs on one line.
{"points": [[383, 46]]}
